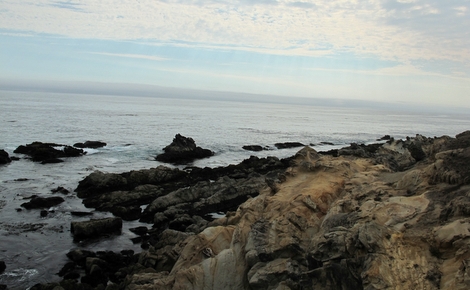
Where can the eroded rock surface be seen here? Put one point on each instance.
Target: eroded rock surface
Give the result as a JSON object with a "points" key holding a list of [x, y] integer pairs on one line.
{"points": [[393, 216]]}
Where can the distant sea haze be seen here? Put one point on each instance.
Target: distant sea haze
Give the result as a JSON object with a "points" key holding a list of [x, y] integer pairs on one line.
{"points": [[144, 90], [135, 130]]}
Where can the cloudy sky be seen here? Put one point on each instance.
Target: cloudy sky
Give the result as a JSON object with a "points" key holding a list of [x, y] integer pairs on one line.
{"points": [[401, 51]]}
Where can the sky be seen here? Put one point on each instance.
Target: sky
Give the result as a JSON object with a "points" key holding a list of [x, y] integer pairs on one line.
{"points": [[395, 51]]}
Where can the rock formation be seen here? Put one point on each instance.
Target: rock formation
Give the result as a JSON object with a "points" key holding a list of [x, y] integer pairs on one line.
{"points": [[4, 157], [388, 217], [381, 216], [48, 152], [182, 151]]}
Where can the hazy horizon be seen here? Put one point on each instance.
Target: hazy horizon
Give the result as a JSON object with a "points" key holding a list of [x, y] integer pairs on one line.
{"points": [[141, 90], [410, 52]]}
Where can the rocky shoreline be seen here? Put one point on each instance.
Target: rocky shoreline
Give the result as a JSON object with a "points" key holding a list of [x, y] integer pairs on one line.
{"points": [[386, 215]]}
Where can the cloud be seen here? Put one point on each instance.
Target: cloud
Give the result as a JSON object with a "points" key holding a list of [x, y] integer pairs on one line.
{"points": [[403, 31]]}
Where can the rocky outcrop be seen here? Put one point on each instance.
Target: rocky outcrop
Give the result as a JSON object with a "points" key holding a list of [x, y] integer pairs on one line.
{"points": [[123, 194], [95, 228], [90, 144], [48, 152], [182, 151], [4, 157], [349, 222], [42, 202]]}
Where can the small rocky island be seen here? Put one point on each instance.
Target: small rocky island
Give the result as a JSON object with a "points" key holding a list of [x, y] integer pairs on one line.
{"points": [[394, 215]]}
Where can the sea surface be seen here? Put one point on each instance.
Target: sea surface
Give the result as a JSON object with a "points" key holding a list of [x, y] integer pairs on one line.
{"points": [[135, 130]]}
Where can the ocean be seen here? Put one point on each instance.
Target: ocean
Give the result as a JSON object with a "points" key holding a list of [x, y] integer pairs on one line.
{"points": [[135, 130]]}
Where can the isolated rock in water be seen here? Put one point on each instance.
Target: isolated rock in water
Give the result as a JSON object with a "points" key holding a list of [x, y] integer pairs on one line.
{"points": [[95, 228], [253, 147], [4, 157], [286, 145], [183, 150], [90, 144], [48, 152], [43, 202], [2, 267]]}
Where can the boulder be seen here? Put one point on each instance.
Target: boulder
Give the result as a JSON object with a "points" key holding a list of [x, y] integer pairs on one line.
{"points": [[286, 145], [182, 151], [90, 144], [253, 147], [95, 228], [48, 152], [4, 157], [42, 202], [2, 267]]}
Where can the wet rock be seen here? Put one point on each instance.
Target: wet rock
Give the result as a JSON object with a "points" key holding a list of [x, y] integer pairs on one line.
{"points": [[2, 267], [326, 143], [99, 182], [130, 213], [95, 228], [253, 147], [4, 157], [60, 189], [286, 145], [182, 151], [90, 144], [42, 202], [79, 256], [140, 231], [384, 138], [81, 213], [48, 152]]}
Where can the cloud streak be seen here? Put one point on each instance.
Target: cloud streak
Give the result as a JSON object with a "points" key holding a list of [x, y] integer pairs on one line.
{"points": [[135, 56]]}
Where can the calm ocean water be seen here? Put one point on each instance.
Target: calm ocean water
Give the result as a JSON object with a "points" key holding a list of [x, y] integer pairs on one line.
{"points": [[136, 129]]}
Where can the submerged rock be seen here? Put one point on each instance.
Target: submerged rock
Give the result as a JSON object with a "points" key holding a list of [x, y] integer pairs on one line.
{"points": [[42, 202], [253, 147], [183, 150]]}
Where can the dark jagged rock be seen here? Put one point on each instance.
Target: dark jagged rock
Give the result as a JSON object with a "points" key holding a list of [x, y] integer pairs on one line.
{"points": [[99, 182], [182, 151], [384, 138], [253, 147], [286, 145], [4, 157], [90, 144], [95, 228], [48, 152], [2, 267], [81, 213], [60, 189], [42, 202]]}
